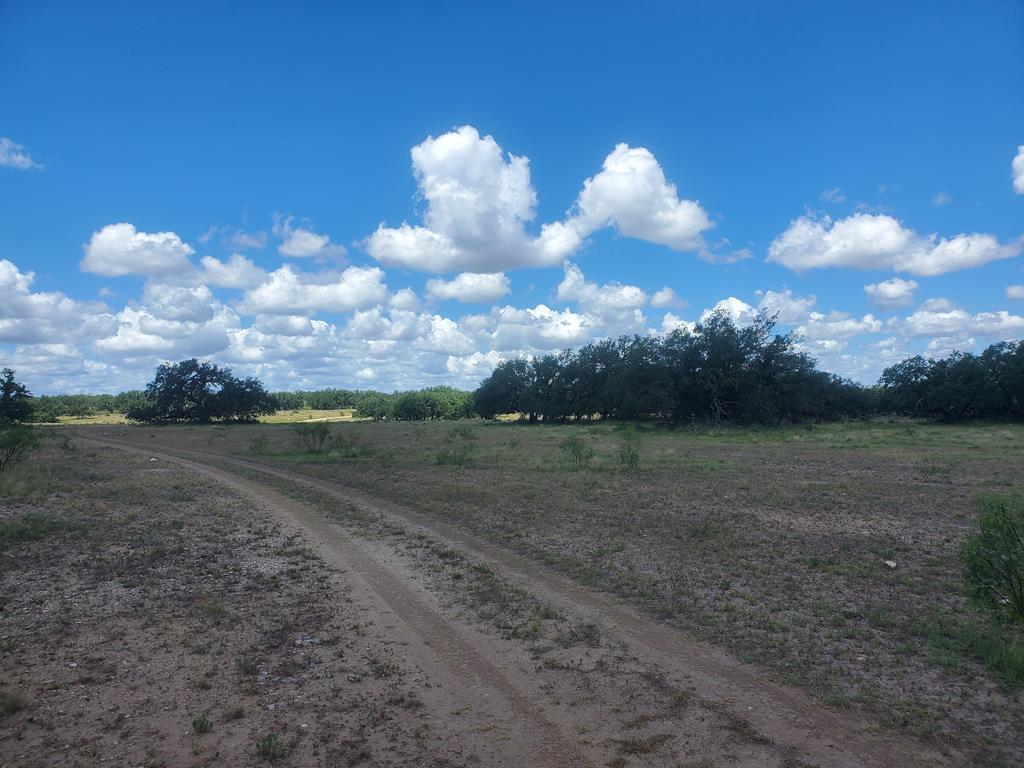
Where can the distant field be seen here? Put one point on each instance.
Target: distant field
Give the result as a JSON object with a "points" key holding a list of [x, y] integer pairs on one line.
{"points": [[281, 417], [768, 542], [308, 414]]}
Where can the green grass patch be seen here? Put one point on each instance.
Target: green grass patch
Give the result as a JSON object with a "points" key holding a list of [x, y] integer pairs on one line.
{"points": [[30, 527], [954, 640]]}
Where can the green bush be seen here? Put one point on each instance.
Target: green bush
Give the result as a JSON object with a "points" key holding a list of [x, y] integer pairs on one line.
{"points": [[16, 444], [629, 451], [270, 746], [578, 451], [348, 445], [457, 454], [29, 527], [313, 436], [993, 557]]}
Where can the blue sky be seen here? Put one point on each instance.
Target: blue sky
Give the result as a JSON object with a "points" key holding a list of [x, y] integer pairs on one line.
{"points": [[558, 166]]}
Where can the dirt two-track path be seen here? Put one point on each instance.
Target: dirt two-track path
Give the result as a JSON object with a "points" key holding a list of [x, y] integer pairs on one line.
{"points": [[505, 718]]}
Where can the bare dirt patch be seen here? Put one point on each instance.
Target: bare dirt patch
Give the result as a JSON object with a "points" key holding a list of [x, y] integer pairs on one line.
{"points": [[159, 620]]}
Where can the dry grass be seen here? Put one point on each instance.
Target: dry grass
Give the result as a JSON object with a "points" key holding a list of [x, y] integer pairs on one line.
{"points": [[771, 543]]}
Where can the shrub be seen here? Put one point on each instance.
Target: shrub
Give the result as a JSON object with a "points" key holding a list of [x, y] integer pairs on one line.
{"points": [[269, 746], [258, 446], [577, 450], [202, 725], [463, 431], [458, 454], [313, 436], [348, 445], [16, 444], [29, 527], [993, 557], [629, 452], [11, 701]]}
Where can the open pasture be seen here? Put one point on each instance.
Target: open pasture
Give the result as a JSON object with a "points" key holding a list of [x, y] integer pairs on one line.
{"points": [[825, 555]]}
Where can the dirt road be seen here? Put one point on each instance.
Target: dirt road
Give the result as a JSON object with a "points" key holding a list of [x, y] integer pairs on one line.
{"points": [[642, 694]]}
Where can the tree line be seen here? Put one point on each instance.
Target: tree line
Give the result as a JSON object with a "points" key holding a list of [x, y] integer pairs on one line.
{"points": [[717, 373], [724, 373], [958, 387]]}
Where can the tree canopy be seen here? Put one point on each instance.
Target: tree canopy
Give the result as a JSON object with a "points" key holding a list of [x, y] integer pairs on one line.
{"points": [[958, 387], [15, 399], [719, 372], [200, 392]]}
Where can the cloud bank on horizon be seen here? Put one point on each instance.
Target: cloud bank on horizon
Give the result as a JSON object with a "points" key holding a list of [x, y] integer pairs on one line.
{"points": [[326, 314]]}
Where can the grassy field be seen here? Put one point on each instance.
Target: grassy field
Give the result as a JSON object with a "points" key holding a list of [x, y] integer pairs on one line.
{"points": [[777, 545], [771, 543]]}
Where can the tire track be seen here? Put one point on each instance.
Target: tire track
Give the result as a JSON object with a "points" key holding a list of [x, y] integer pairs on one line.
{"points": [[793, 721], [500, 717]]}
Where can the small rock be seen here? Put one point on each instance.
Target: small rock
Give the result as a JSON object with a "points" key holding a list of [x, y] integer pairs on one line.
{"points": [[890, 563]]}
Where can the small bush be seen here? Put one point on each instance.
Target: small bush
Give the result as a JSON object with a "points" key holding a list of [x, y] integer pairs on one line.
{"points": [[578, 451], [348, 445], [463, 431], [270, 746], [629, 452], [28, 527], [993, 558], [202, 725], [258, 447], [16, 444], [312, 437], [11, 701], [459, 454]]}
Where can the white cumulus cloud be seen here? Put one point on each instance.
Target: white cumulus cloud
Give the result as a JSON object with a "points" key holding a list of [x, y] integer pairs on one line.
{"points": [[288, 291], [878, 241], [608, 301], [302, 243], [891, 294], [632, 194], [837, 326], [942, 318], [45, 317], [404, 298], [789, 307], [666, 297], [479, 201], [735, 309], [119, 249], [236, 272], [470, 287]]}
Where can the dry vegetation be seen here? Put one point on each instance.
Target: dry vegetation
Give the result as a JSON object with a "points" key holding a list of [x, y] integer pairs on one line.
{"points": [[770, 543], [153, 619]]}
